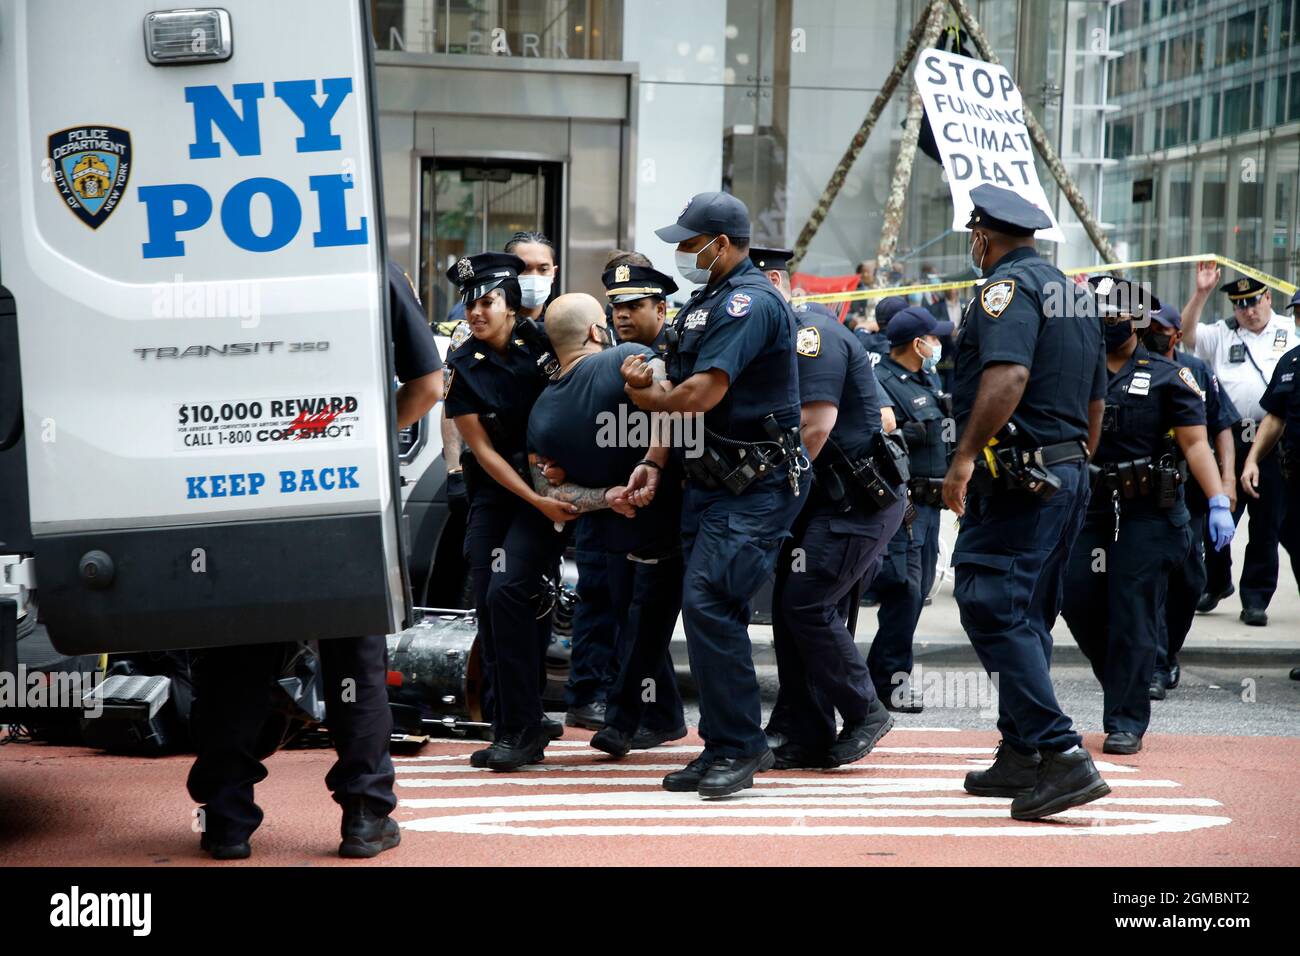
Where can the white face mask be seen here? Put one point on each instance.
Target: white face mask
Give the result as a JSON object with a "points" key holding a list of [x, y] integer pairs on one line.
{"points": [[686, 264], [534, 290]]}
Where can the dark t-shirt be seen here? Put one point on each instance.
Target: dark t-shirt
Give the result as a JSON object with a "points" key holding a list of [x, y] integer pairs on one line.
{"points": [[414, 352]]}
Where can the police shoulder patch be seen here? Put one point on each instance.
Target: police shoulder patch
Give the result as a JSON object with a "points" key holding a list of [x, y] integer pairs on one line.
{"points": [[460, 334], [739, 304], [1190, 381], [997, 296], [809, 342], [451, 377]]}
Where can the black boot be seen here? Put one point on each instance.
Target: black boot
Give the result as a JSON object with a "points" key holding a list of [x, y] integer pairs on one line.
{"points": [[857, 739], [553, 729], [1119, 742], [687, 780], [515, 749], [613, 741], [1011, 775], [366, 833], [795, 756], [589, 716], [645, 739], [239, 850], [1064, 781], [733, 774]]}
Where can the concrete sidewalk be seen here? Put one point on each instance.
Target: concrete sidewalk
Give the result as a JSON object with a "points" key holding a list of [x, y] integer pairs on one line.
{"points": [[1216, 638]]}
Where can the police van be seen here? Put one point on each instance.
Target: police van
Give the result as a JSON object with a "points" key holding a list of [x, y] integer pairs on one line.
{"points": [[197, 414]]}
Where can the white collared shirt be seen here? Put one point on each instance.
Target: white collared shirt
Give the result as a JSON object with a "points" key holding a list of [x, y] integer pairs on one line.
{"points": [[1246, 380]]}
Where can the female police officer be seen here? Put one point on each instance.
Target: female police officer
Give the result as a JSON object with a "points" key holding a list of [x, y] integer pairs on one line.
{"points": [[496, 375], [1137, 527]]}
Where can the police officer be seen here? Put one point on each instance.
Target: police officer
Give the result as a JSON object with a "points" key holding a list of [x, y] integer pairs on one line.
{"points": [[909, 375], [643, 558], [734, 361], [841, 531], [1187, 582], [1137, 529], [232, 685], [1280, 427], [511, 538], [876, 341], [570, 426], [1027, 398], [1243, 351]]}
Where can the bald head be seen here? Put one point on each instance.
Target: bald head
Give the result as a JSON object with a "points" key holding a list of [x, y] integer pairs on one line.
{"points": [[569, 320]]}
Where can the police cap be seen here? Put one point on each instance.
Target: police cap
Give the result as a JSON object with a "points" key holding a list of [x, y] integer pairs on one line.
{"points": [[887, 308], [711, 214], [771, 260], [1295, 300], [1004, 211], [1244, 292], [1168, 316], [1116, 297], [913, 323], [478, 275], [627, 283]]}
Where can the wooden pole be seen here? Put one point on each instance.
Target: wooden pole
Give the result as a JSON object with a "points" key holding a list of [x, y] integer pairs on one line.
{"points": [[820, 210], [1039, 138], [893, 216]]}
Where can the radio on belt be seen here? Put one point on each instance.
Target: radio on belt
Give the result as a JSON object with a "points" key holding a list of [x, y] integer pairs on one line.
{"points": [[203, 450]]}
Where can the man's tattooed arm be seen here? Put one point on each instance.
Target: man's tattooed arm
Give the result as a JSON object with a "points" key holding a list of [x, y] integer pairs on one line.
{"points": [[586, 499]]}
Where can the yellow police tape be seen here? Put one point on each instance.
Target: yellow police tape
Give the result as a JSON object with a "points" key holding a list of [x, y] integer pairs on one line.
{"points": [[858, 295]]}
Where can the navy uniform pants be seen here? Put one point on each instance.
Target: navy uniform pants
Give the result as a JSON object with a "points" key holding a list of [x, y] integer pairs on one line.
{"points": [[1267, 512], [904, 580], [1114, 592], [645, 692], [510, 546], [593, 663], [819, 667], [1009, 564], [232, 700], [1186, 585], [729, 547]]}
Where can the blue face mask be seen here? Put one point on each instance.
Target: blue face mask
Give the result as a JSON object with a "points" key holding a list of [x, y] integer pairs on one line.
{"points": [[978, 264], [931, 362]]}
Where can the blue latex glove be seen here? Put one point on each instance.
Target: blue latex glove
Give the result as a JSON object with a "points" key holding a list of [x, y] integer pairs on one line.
{"points": [[1222, 527]]}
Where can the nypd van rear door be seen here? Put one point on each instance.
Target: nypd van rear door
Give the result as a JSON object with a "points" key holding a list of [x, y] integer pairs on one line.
{"points": [[191, 228]]}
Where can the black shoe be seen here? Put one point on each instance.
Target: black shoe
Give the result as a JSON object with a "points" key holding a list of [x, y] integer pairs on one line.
{"points": [[1175, 675], [1120, 742], [1254, 616], [589, 716], [1064, 781], [366, 834], [1013, 774], [552, 729], [1209, 602], [857, 739], [687, 780], [909, 701], [240, 850], [776, 739], [613, 742], [1158, 689], [516, 749], [793, 756], [733, 774], [645, 739], [1295, 673], [479, 758]]}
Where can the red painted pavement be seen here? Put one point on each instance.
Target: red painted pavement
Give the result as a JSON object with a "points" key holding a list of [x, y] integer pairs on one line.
{"points": [[1182, 801]]}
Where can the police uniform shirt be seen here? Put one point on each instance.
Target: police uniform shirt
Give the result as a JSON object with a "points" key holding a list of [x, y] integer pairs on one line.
{"points": [[415, 354], [1282, 398], [1005, 322], [1220, 412], [875, 344], [483, 382], [916, 399], [742, 326], [832, 368], [1152, 395], [1245, 360]]}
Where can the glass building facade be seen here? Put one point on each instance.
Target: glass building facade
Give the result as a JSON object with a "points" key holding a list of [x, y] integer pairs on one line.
{"points": [[1203, 141]]}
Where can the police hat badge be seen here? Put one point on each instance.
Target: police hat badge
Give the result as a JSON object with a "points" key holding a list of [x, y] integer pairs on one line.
{"points": [[90, 166], [464, 269], [622, 274]]}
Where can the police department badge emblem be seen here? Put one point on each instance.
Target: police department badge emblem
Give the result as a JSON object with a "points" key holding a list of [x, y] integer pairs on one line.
{"points": [[622, 274], [91, 165], [1243, 285], [464, 270], [738, 305], [1190, 381], [809, 342], [997, 296]]}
